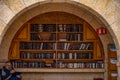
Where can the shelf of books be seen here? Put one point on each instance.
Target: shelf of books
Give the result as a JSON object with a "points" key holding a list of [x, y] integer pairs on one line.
{"points": [[112, 63], [57, 48]]}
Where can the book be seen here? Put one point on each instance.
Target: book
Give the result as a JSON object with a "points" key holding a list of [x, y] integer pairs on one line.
{"points": [[112, 47]]}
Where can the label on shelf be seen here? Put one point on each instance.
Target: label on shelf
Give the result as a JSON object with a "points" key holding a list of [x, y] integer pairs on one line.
{"points": [[113, 60], [114, 74]]}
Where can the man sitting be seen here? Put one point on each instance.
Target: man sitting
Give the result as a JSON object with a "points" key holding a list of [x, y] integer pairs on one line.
{"points": [[8, 72]]}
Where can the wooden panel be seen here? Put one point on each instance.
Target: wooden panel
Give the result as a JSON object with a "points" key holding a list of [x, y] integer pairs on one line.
{"points": [[89, 34], [113, 54], [113, 78], [56, 17], [113, 67], [98, 51], [14, 53], [24, 33]]}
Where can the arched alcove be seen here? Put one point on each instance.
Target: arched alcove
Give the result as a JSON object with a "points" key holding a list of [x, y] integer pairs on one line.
{"points": [[80, 10]]}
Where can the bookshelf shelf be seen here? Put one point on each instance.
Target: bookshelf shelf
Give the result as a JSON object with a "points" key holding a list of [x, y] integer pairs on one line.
{"points": [[59, 70], [75, 50], [38, 50], [43, 32], [70, 32], [39, 60], [60, 47], [78, 60]]}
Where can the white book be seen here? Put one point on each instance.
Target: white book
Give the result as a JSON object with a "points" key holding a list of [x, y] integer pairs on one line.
{"points": [[70, 65], [65, 46], [114, 74], [28, 55], [41, 46], [87, 46], [93, 65], [75, 65], [90, 65], [40, 28], [82, 65], [70, 55], [60, 27], [75, 55], [68, 44], [81, 45]]}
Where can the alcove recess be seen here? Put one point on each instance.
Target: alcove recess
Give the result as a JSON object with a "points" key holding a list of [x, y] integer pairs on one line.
{"points": [[57, 42]]}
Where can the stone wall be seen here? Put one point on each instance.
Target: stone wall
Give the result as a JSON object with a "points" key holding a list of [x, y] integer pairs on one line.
{"points": [[61, 76]]}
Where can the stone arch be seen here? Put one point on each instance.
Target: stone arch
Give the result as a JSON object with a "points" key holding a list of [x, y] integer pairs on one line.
{"points": [[72, 7]]}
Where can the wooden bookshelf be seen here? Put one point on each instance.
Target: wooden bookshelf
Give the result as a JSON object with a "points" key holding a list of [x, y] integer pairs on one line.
{"points": [[59, 70], [60, 45], [112, 62]]}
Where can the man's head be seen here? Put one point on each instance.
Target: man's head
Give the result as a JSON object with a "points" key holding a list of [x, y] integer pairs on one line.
{"points": [[8, 65]]}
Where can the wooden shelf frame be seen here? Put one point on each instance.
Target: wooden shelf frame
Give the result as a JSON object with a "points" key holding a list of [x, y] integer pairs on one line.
{"points": [[88, 35]]}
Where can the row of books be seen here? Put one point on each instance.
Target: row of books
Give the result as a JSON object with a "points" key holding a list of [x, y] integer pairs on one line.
{"points": [[98, 64], [43, 27], [75, 55], [24, 64], [70, 28], [69, 37], [60, 64], [35, 36], [75, 46], [52, 27], [30, 55], [60, 45], [38, 45]]}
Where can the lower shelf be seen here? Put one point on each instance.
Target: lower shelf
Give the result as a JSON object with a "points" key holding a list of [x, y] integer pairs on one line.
{"points": [[58, 70]]}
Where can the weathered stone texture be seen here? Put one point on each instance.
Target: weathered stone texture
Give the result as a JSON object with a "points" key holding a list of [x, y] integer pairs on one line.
{"points": [[5, 13], [15, 5]]}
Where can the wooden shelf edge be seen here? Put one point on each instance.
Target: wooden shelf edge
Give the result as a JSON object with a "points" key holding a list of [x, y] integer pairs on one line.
{"points": [[59, 70]]}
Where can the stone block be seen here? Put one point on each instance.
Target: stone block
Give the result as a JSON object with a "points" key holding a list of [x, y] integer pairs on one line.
{"points": [[15, 5], [6, 14], [2, 26], [116, 26], [31, 2]]}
